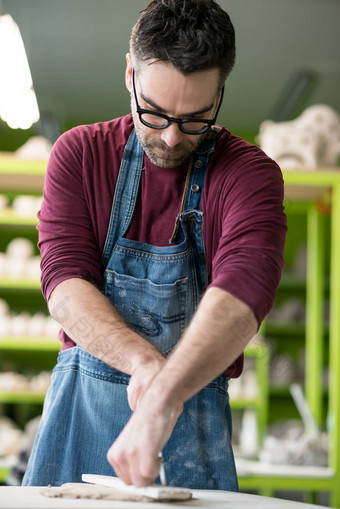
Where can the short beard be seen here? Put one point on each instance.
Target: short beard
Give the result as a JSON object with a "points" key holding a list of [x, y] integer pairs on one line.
{"points": [[159, 152]]}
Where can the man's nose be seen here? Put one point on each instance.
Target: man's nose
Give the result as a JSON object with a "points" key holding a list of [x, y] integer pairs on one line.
{"points": [[172, 135]]}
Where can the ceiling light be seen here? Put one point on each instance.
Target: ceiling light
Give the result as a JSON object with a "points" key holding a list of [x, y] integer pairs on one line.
{"points": [[18, 102]]}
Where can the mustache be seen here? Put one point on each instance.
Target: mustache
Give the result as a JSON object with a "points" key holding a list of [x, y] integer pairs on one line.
{"points": [[152, 144]]}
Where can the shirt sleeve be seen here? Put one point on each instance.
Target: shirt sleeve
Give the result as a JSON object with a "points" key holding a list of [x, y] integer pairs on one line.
{"points": [[249, 257], [66, 236]]}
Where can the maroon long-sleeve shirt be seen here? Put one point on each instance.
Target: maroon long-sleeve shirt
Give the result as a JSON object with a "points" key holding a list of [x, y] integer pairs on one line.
{"points": [[244, 222]]}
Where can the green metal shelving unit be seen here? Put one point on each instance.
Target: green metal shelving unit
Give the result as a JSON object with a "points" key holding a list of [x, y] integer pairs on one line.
{"points": [[29, 344], [10, 218], [26, 177], [25, 345], [305, 192], [260, 353]]}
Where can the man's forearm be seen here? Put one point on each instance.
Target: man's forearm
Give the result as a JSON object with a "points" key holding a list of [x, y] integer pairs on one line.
{"points": [[220, 329], [218, 333], [92, 322]]}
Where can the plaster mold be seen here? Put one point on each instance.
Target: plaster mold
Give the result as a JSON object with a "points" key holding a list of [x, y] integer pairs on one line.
{"points": [[310, 141]]}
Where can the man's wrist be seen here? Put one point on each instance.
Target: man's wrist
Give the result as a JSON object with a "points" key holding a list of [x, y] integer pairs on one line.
{"points": [[147, 356], [161, 395]]}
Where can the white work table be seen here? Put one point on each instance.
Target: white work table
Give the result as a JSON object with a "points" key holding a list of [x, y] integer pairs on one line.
{"points": [[30, 498]]}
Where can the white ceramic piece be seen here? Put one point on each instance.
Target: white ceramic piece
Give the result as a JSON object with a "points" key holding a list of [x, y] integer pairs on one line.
{"points": [[19, 324], [155, 492], [248, 434], [32, 268], [37, 147], [51, 327], [26, 205], [20, 248], [36, 326], [310, 141], [4, 308]]}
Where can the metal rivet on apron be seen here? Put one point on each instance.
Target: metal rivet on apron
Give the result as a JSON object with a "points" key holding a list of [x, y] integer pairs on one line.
{"points": [[195, 188], [198, 163]]}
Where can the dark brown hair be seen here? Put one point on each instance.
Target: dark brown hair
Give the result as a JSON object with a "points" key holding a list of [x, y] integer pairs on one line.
{"points": [[192, 35]]}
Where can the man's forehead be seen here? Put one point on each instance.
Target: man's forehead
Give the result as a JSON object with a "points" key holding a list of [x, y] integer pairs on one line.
{"points": [[159, 79], [159, 67]]}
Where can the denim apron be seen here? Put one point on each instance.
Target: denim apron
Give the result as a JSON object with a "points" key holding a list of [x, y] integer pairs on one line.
{"points": [[156, 290]]}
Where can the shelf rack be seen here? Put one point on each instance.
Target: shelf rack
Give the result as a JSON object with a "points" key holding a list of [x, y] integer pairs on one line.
{"points": [[27, 343], [260, 353], [21, 176], [10, 218], [23, 283], [304, 192], [312, 192]]}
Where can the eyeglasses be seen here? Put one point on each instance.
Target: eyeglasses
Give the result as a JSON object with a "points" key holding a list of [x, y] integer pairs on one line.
{"points": [[156, 120]]}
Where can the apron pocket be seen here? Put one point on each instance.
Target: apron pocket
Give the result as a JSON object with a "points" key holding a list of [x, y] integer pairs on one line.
{"points": [[156, 311]]}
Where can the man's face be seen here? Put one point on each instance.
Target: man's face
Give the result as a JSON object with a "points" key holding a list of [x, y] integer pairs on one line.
{"points": [[163, 89]]}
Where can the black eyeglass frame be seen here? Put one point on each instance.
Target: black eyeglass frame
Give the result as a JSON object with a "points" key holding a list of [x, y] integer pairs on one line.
{"points": [[179, 121]]}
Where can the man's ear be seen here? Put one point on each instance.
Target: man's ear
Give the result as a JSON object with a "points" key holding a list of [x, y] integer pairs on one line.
{"points": [[128, 72]]}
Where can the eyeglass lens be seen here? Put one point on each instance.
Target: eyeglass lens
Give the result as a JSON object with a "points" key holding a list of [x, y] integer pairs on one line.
{"points": [[159, 122]]}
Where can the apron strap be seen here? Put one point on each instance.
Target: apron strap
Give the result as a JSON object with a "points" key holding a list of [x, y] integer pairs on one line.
{"points": [[127, 187], [195, 181], [198, 171], [125, 195]]}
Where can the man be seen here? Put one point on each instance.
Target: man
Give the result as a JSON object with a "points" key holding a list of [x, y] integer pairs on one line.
{"points": [[146, 218]]}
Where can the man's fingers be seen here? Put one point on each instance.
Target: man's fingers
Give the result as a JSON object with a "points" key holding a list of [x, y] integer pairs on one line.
{"points": [[144, 470], [117, 466], [133, 469], [119, 462], [134, 454]]}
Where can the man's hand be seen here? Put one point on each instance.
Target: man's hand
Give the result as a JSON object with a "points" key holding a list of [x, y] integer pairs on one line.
{"points": [[141, 379], [134, 455], [218, 333]]}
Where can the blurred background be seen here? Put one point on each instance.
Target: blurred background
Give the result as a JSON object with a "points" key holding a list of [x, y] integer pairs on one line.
{"points": [[288, 57]]}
